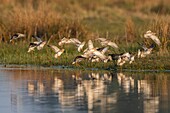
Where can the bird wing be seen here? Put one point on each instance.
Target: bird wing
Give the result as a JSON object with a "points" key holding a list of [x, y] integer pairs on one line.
{"points": [[20, 35], [75, 40], [99, 54], [80, 46], [151, 35], [55, 48], [37, 38], [104, 50], [155, 39], [102, 39], [90, 44], [112, 44]]}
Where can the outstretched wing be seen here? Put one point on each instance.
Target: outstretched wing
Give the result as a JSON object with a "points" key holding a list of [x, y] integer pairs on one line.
{"points": [[104, 50], [55, 48], [102, 39], [99, 54], [75, 40], [90, 44], [112, 44]]}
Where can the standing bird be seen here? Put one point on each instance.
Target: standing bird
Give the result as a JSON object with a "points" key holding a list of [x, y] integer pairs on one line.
{"points": [[17, 36], [58, 51], [106, 42], [151, 35]]}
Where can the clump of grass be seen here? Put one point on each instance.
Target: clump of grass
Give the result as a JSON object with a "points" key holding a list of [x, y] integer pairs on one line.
{"points": [[161, 8], [130, 31], [162, 27]]}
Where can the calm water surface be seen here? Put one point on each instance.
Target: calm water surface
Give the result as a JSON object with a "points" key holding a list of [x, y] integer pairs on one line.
{"points": [[65, 91]]}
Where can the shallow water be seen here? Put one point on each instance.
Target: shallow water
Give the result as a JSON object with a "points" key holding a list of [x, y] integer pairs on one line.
{"points": [[64, 91]]}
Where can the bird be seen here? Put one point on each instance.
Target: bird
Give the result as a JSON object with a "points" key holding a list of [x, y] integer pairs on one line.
{"points": [[37, 38], [36, 44], [114, 56], [124, 57], [102, 50], [145, 51], [64, 41], [78, 59], [39, 44], [106, 42], [92, 51], [79, 44], [32, 46], [74, 41], [58, 51], [17, 36], [151, 35]]}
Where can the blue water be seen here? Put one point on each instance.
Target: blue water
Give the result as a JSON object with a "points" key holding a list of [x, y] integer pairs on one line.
{"points": [[64, 91]]}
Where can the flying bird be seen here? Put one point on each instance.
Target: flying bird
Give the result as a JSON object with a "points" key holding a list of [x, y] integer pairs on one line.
{"points": [[36, 44], [151, 35], [106, 42], [145, 51], [74, 41], [78, 59], [57, 51], [17, 36]]}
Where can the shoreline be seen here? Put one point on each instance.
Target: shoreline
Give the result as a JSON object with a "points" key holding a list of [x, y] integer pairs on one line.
{"points": [[39, 67]]}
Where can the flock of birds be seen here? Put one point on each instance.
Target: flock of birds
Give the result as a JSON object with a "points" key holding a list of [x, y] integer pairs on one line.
{"points": [[91, 53]]}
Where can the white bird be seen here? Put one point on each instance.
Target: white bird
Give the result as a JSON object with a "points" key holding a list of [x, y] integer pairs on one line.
{"points": [[151, 35], [106, 42], [17, 36], [58, 51]]}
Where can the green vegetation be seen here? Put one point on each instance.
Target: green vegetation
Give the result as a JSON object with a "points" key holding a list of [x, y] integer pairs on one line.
{"points": [[122, 21]]}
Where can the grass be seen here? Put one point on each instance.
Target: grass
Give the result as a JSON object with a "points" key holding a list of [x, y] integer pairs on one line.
{"points": [[17, 54], [124, 22]]}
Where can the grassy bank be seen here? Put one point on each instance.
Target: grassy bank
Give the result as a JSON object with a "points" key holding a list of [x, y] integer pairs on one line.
{"points": [[17, 54], [123, 21]]}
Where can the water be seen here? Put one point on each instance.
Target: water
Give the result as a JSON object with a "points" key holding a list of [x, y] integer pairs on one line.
{"points": [[65, 91]]}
